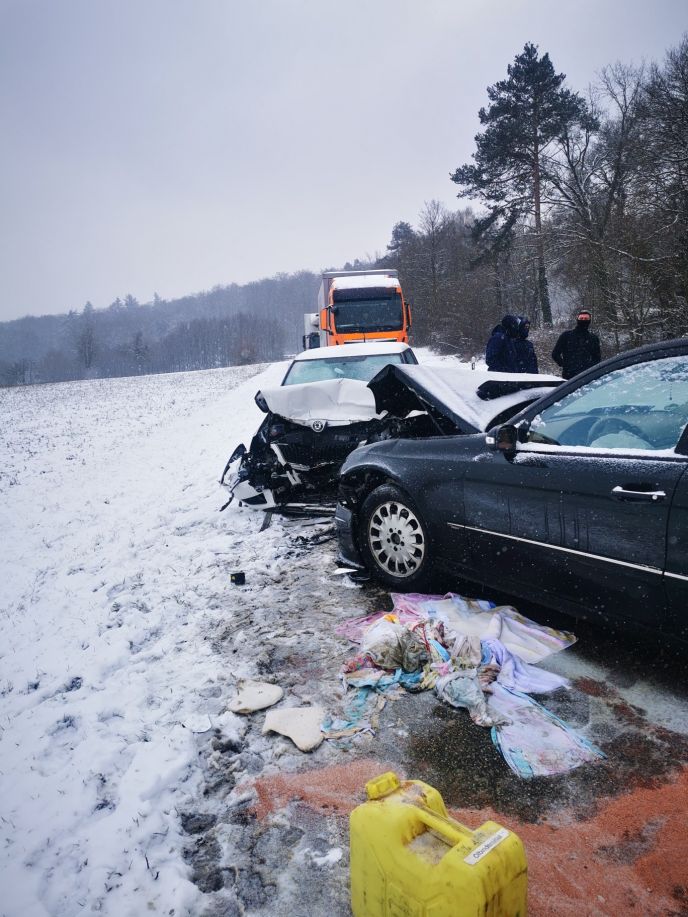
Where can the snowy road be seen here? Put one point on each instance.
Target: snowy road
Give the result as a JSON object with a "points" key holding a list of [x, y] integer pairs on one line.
{"points": [[126, 787]]}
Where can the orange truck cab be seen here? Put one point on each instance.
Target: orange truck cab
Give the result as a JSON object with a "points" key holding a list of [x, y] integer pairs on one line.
{"points": [[358, 306]]}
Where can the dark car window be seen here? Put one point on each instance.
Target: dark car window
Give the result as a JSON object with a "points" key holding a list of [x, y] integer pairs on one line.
{"points": [[643, 406]]}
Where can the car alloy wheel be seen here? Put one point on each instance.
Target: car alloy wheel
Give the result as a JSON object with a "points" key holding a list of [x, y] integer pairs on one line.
{"points": [[393, 538], [396, 539]]}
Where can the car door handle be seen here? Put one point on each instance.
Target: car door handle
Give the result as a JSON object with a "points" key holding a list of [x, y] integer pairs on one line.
{"points": [[644, 496]]}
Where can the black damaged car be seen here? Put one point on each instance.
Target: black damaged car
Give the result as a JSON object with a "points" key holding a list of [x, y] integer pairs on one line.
{"points": [[579, 502]]}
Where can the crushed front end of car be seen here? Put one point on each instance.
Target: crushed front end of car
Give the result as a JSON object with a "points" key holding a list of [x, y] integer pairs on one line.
{"points": [[310, 429], [296, 454], [287, 462]]}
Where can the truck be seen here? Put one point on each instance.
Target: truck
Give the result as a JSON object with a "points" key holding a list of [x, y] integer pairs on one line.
{"points": [[358, 306]]}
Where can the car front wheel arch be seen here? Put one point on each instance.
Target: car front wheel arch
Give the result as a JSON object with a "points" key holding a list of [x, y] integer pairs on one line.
{"points": [[393, 539]]}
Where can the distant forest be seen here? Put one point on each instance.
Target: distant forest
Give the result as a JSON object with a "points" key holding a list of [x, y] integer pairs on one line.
{"points": [[583, 203], [226, 326]]}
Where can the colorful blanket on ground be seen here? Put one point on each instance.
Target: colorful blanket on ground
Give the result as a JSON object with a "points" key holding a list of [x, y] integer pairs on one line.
{"points": [[535, 742], [475, 655]]}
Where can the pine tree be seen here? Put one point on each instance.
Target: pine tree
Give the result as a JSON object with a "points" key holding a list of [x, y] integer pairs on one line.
{"points": [[402, 236], [527, 112]]}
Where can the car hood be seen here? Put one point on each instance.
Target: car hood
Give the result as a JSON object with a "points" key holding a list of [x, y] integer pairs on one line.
{"points": [[335, 401], [469, 399]]}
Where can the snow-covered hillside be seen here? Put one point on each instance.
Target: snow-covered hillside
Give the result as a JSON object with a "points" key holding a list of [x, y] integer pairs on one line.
{"points": [[113, 556]]}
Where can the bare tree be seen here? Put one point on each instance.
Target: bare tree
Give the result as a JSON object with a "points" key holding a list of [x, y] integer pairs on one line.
{"points": [[593, 169], [86, 344], [434, 221]]}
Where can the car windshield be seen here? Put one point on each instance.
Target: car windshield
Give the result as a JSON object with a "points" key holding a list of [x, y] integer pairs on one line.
{"points": [[362, 367], [642, 406], [368, 315]]}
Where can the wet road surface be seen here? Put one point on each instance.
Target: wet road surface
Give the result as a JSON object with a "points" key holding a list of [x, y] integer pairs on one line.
{"points": [[270, 835]]}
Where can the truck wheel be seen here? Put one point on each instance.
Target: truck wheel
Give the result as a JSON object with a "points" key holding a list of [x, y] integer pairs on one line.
{"points": [[393, 539]]}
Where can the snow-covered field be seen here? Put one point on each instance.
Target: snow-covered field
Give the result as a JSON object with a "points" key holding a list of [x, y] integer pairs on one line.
{"points": [[125, 785], [114, 578], [114, 555]]}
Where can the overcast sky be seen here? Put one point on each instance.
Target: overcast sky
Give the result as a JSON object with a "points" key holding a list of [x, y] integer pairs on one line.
{"points": [[171, 145]]}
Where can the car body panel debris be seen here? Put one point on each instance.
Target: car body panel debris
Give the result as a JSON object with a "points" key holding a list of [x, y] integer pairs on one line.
{"points": [[300, 724], [255, 695], [456, 397]]}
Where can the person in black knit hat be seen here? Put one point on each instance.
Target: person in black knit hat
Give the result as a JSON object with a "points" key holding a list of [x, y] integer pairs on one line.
{"points": [[526, 359], [500, 353]]}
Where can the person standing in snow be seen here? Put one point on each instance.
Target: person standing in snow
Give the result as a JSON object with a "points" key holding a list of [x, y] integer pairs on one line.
{"points": [[577, 349], [526, 360], [500, 353]]}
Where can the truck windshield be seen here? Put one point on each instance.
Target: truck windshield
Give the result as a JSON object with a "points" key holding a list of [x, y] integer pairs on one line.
{"points": [[368, 315]]}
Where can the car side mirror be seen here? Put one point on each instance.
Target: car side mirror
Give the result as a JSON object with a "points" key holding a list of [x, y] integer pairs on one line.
{"points": [[262, 403], [503, 439]]}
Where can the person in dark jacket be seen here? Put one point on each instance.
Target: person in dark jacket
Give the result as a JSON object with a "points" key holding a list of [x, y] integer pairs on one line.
{"points": [[500, 353], [526, 360], [577, 349]]}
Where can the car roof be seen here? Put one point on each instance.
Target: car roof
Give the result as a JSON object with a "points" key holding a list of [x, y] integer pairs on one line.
{"points": [[369, 349], [659, 347]]}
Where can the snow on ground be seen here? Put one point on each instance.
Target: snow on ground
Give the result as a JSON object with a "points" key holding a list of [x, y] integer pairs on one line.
{"points": [[114, 556], [115, 571], [125, 786]]}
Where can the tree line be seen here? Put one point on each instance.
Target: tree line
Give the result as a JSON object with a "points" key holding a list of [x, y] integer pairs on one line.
{"points": [[584, 204], [226, 326], [577, 201]]}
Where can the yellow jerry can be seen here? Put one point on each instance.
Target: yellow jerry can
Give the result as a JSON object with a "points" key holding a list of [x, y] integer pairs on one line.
{"points": [[409, 859]]}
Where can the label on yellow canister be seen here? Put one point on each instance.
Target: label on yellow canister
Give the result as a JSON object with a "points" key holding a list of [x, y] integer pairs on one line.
{"points": [[410, 859], [485, 847]]}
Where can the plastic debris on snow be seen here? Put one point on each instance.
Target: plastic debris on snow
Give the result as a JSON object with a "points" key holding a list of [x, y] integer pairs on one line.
{"points": [[255, 695], [300, 724], [476, 656]]}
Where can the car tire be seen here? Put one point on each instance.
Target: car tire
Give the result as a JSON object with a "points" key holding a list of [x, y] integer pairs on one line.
{"points": [[393, 539]]}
